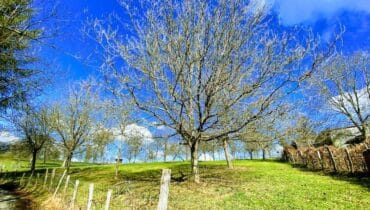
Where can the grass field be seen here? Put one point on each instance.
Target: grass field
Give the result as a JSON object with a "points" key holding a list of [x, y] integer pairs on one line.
{"points": [[251, 185]]}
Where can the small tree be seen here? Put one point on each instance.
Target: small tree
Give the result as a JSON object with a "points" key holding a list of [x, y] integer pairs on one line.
{"points": [[73, 122], [100, 139], [34, 126], [302, 132], [134, 142]]}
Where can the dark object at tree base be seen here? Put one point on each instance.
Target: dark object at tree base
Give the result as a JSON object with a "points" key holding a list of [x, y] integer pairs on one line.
{"points": [[366, 154]]}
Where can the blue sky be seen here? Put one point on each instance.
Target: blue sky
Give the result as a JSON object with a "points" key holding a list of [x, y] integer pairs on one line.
{"points": [[72, 48], [323, 16]]}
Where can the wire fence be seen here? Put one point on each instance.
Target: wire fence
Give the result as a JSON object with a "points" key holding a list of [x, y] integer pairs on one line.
{"points": [[67, 192]]}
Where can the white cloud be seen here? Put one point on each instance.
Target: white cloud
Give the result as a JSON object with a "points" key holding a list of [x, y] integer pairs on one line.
{"points": [[363, 102], [7, 137], [293, 12], [135, 129]]}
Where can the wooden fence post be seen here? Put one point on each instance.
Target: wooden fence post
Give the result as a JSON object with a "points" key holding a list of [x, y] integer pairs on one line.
{"points": [[45, 178], [66, 184], [52, 178], [29, 179], [292, 158], [349, 160], [320, 160], [302, 158], [37, 179], [21, 181], [164, 191], [59, 183], [74, 194], [90, 198], [332, 159], [109, 195]]}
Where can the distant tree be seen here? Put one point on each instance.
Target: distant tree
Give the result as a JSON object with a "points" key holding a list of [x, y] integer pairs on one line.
{"points": [[33, 125], [189, 63], [118, 110], [20, 149], [302, 132], [73, 121], [344, 83], [134, 142], [100, 138], [51, 151]]}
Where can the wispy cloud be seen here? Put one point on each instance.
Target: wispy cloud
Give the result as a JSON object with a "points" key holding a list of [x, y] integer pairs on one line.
{"points": [[7, 137], [293, 12]]}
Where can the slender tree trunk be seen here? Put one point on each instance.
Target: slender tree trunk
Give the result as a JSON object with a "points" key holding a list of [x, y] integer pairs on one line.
{"points": [[263, 154], [165, 151], [68, 161], [251, 155], [118, 161], [194, 161], [33, 160], [227, 155], [186, 152], [44, 155], [364, 132]]}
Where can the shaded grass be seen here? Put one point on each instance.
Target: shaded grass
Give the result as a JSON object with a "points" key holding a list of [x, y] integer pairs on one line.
{"points": [[251, 185]]}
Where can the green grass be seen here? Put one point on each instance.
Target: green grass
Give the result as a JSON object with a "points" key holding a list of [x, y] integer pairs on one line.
{"points": [[251, 185], [16, 164]]}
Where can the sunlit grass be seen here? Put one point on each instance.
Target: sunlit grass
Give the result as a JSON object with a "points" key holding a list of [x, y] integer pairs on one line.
{"points": [[251, 185]]}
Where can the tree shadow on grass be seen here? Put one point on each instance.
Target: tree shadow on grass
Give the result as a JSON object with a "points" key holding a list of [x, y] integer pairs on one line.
{"points": [[362, 179]]}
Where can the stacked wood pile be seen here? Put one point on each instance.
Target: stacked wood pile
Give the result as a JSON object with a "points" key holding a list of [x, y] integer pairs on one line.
{"points": [[350, 159]]}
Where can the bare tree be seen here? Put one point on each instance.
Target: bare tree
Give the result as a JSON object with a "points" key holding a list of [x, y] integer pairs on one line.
{"points": [[100, 139], [33, 125], [190, 63], [301, 133], [73, 122], [344, 83], [134, 145]]}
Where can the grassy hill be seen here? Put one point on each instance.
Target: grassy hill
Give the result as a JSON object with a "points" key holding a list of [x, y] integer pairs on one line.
{"points": [[251, 185]]}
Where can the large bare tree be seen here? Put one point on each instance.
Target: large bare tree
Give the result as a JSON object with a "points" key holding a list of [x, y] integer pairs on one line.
{"points": [[190, 63], [344, 83]]}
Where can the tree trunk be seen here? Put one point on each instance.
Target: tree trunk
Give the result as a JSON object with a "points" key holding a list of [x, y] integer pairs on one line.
{"points": [[165, 152], [44, 155], [364, 133], [187, 153], [194, 161], [33, 160], [251, 155], [68, 161], [227, 155], [263, 154], [118, 160]]}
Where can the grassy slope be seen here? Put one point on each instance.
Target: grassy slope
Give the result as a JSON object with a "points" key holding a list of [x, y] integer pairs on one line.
{"points": [[251, 185]]}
